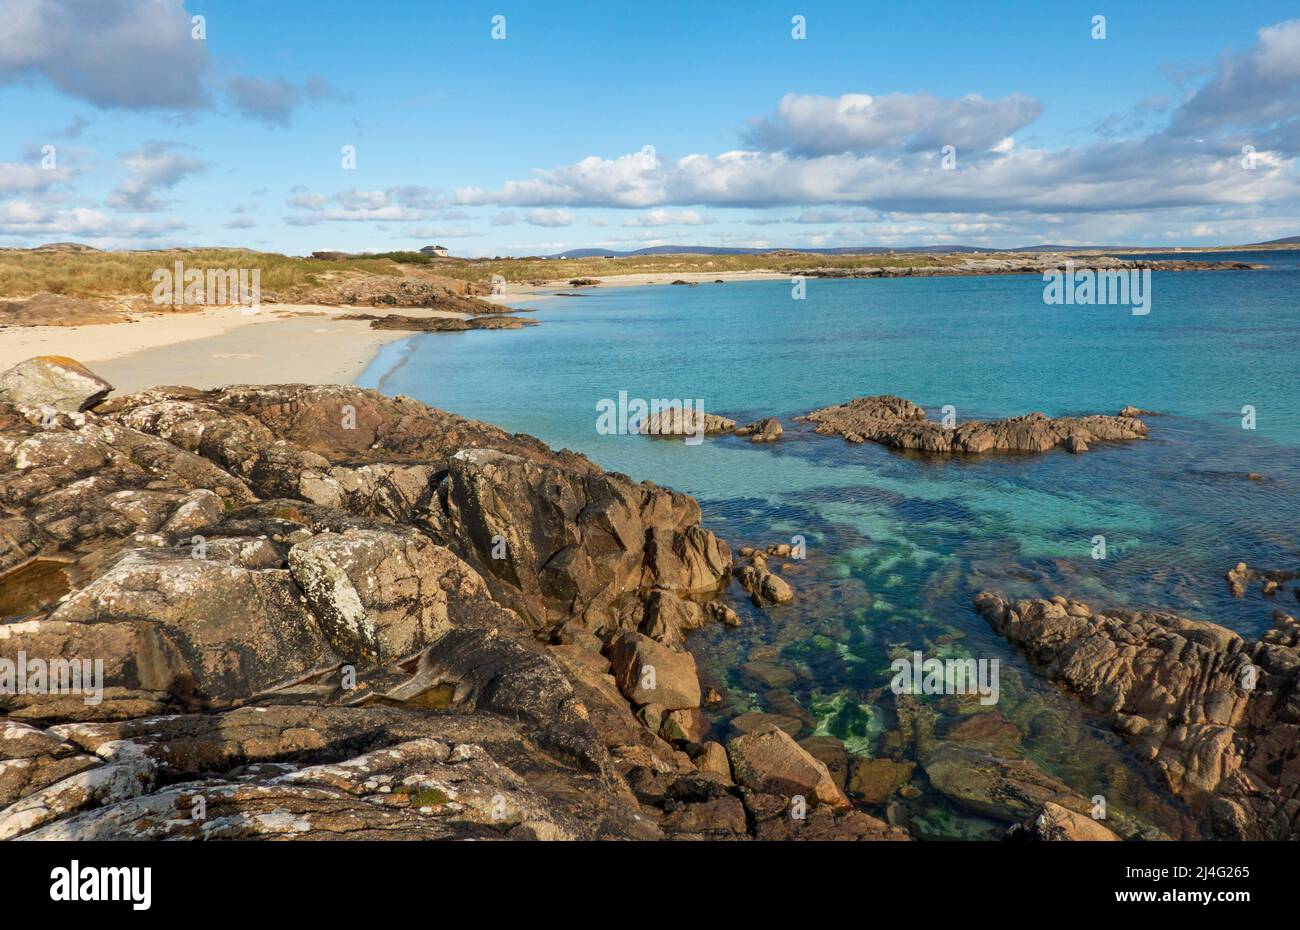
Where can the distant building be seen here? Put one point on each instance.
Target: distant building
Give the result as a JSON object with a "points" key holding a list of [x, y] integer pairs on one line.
{"points": [[438, 250]]}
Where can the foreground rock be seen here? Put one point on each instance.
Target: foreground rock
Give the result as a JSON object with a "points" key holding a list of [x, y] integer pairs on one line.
{"points": [[901, 424], [54, 382], [321, 612], [1055, 823], [770, 761], [1218, 717]]}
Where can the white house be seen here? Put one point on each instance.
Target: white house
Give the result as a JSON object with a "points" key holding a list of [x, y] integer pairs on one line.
{"points": [[439, 250]]}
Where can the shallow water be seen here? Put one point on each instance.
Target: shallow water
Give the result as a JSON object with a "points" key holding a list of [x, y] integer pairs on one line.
{"points": [[898, 544]]}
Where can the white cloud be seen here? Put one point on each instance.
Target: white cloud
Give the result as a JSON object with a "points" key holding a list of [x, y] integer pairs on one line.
{"points": [[545, 217], [661, 217], [155, 167], [134, 54], [806, 124]]}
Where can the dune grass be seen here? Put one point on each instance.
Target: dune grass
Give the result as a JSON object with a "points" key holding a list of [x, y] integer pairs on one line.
{"points": [[121, 274]]}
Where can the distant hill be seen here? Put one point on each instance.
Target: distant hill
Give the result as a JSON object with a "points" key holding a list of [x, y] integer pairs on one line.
{"points": [[1289, 240]]}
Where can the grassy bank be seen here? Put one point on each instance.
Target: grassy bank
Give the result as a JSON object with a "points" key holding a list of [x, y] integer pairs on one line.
{"points": [[118, 274]]}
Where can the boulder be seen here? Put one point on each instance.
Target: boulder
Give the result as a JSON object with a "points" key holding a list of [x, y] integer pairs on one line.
{"points": [[53, 381], [760, 431], [1055, 823], [769, 760], [649, 672]]}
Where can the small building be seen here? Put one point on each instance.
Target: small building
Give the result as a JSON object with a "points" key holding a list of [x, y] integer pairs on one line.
{"points": [[438, 250]]}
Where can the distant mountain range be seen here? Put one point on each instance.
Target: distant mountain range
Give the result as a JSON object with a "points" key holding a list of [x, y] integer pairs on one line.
{"points": [[876, 250]]}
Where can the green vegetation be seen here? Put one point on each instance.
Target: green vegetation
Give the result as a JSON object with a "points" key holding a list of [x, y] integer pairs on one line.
{"points": [[123, 274]]}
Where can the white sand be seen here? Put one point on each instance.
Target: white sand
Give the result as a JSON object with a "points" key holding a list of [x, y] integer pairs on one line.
{"points": [[280, 343]]}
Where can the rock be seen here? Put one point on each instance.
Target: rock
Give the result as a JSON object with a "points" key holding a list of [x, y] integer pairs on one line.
{"points": [[753, 721], [768, 430], [647, 671], [773, 822], [53, 381], [688, 724], [223, 552], [668, 618], [723, 613], [1055, 823], [764, 587], [875, 780], [713, 758], [1002, 788], [685, 421], [901, 424], [438, 324], [830, 751], [380, 595], [1203, 705], [720, 816], [769, 760]]}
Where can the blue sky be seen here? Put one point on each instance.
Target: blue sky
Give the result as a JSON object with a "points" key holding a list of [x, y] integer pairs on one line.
{"points": [[627, 125]]}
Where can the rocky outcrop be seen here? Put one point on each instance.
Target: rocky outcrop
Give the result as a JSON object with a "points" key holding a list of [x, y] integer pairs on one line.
{"points": [[901, 424], [765, 587], [680, 421], [760, 431], [1218, 716], [438, 324], [47, 309], [324, 613]]}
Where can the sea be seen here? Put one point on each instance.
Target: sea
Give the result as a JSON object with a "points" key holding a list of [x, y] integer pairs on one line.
{"points": [[897, 544]]}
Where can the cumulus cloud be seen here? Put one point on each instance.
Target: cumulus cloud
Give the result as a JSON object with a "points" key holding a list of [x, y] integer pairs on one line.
{"points": [[806, 124], [273, 101], [18, 177], [661, 217], [545, 217], [408, 204], [157, 166], [133, 54], [1258, 89], [21, 217]]}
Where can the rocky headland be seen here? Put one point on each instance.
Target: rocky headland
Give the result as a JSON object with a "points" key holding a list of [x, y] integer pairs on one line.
{"points": [[326, 613]]}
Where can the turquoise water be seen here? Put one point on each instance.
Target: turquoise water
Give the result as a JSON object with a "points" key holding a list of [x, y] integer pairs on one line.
{"points": [[897, 544]]}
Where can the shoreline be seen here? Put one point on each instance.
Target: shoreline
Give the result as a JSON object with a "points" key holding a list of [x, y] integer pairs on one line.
{"points": [[295, 343]]}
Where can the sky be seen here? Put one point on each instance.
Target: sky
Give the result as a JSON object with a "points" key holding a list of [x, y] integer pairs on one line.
{"points": [[523, 127]]}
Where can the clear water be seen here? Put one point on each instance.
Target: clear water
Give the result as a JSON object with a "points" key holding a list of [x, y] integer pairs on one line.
{"points": [[898, 544]]}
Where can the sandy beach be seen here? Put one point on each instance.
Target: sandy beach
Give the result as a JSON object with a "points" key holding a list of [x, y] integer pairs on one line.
{"points": [[281, 343], [301, 343]]}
